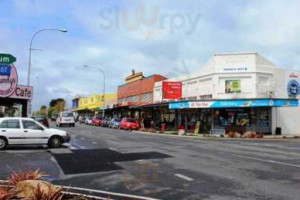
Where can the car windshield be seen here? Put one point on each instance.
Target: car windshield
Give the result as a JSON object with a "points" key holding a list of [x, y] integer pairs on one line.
{"points": [[67, 115], [39, 118], [117, 119]]}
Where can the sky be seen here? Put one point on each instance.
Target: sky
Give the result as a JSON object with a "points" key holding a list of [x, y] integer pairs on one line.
{"points": [[167, 37]]}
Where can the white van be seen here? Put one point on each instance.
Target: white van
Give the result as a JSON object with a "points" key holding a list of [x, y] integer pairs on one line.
{"points": [[65, 118]]}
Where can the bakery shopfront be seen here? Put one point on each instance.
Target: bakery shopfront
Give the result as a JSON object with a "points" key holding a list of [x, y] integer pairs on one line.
{"points": [[240, 115], [14, 98]]}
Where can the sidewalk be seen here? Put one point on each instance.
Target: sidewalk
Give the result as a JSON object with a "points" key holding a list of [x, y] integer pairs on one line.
{"points": [[207, 136]]}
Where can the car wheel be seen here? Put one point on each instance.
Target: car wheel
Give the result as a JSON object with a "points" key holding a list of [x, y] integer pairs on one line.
{"points": [[3, 143], [55, 142]]}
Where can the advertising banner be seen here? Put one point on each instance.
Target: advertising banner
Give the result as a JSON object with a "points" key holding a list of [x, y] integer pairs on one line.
{"points": [[172, 90], [232, 86]]}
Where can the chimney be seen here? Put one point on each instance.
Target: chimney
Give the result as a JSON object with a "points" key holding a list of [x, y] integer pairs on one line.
{"points": [[133, 72]]}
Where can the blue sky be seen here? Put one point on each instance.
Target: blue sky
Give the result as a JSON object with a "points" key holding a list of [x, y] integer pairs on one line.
{"points": [[169, 37]]}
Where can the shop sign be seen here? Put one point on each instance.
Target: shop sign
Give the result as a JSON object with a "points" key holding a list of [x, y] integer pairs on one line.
{"points": [[201, 104], [179, 105], [22, 92], [172, 90], [235, 69], [8, 83], [235, 103], [293, 88], [232, 86]]}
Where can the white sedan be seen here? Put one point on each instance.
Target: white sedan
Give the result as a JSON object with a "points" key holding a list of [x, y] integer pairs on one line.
{"points": [[26, 131]]}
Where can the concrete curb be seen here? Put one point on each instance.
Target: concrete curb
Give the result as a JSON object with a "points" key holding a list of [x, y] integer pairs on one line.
{"points": [[269, 137]]}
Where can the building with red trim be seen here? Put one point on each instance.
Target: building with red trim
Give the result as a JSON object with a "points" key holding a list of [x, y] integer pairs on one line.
{"points": [[138, 90]]}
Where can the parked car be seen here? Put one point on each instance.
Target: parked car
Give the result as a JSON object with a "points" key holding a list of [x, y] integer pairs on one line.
{"points": [[42, 119], [106, 122], [97, 121], [65, 118], [115, 123], [129, 124], [88, 121], [54, 117], [82, 120], [25, 131]]}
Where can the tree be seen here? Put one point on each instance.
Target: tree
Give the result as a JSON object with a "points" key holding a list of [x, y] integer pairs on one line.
{"points": [[43, 110], [50, 112]]}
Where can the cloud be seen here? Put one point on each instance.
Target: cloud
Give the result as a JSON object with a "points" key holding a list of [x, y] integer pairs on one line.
{"points": [[180, 39]]}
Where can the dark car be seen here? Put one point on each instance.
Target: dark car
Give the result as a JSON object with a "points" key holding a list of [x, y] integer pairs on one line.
{"points": [[42, 119], [53, 117]]}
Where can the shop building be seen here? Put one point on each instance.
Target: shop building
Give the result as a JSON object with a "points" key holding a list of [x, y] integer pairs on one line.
{"points": [[237, 92], [136, 92], [14, 98], [94, 104]]}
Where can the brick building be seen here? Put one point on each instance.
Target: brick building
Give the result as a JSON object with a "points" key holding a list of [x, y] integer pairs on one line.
{"points": [[138, 90]]}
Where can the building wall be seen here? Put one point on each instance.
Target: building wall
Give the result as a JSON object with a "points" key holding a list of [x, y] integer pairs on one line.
{"points": [[95, 101], [259, 78], [138, 91]]}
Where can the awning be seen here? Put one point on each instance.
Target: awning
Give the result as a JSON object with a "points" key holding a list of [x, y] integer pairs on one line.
{"points": [[234, 103]]}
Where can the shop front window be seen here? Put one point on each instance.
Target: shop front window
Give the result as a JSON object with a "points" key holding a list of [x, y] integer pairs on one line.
{"points": [[232, 117]]}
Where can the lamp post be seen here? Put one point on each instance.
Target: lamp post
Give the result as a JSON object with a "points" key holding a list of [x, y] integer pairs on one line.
{"points": [[30, 48], [99, 69]]}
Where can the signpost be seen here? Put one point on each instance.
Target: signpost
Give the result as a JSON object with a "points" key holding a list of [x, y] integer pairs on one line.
{"points": [[7, 59]]}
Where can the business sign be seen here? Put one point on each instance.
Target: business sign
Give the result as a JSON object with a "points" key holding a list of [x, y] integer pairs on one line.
{"points": [[232, 86], [293, 88], [22, 92], [8, 83], [235, 69], [7, 59], [235, 103], [5, 70], [172, 90]]}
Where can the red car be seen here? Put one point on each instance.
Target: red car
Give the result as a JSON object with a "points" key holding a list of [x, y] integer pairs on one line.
{"points": [[97, 121], [129, 124]]}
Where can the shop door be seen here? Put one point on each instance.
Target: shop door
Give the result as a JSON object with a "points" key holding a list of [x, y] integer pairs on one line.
{"points": [[264, 120]]}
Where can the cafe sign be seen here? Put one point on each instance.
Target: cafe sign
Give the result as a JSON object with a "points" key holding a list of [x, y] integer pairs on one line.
{"points": [[8, 80]]}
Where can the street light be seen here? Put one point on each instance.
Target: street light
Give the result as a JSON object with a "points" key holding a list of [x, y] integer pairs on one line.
{"points": [[99, 69], [30, 48]]}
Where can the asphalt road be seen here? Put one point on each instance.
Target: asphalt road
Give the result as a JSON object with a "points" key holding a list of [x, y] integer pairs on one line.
{"points": [[166, 167]]}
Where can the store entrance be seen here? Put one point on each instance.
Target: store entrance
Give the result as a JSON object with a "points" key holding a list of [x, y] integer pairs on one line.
{"points": [[10, 107], [195, 120]]}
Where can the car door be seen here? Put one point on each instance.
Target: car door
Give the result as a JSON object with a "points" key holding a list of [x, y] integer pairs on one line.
{"points": [[34, 133], [11, 129]]}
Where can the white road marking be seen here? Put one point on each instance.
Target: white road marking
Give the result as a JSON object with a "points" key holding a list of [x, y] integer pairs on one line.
{"points": [[73, 148], [268, 161], [78, 146], [184, 177], [94, 142]]}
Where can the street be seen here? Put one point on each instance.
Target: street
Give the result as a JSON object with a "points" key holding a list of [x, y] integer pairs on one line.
{"points": [[165, 167]]}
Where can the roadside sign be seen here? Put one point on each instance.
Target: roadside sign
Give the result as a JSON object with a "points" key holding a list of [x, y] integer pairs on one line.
{"points": [[5, 70], [8, 84], [7, 59]]}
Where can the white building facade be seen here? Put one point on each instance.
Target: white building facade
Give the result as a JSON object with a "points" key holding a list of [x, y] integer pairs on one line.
{"points": [[244, 91]]}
